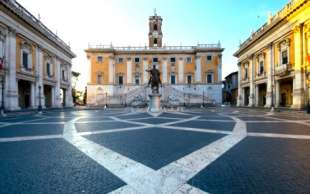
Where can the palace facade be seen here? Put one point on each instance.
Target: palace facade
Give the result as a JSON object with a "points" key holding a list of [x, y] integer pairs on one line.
{"points": [[35, 64], [190, 74], [274, 66]]}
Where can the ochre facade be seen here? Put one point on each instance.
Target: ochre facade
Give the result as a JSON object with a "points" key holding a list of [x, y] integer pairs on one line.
{"points": [[122, 71], [274, 69]]}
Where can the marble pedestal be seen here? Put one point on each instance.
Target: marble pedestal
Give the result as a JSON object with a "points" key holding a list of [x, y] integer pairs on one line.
{"points": [[154, 105]]}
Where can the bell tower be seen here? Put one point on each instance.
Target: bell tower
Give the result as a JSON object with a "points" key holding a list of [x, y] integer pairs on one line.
{"points": [[155, 33]]}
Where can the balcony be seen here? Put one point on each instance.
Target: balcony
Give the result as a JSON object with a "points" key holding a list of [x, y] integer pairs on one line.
{"points": [[282, 70], [261, 75]]}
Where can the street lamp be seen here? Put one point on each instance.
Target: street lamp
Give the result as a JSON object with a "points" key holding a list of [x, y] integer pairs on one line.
{"points": [[2, 96], [40, 105], [106, 100], [203, 98]]}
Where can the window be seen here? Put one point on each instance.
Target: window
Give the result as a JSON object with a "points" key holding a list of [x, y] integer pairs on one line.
{"points": [[261, 67], [64, 75], [99, 78], [48, 69], [209, 78], [155, 60], [137, 80], [189, 79], [155, 42], [120, 60], [172, 79], [246, 73], [155, 27], [189, 60], [25, 60], [137, 60], [284, 57], [99, 59], [209, 57], [120, 80], [172, 60]]}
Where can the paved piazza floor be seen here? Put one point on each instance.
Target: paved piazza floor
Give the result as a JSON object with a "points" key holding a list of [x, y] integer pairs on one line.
{"points": [[124, 151]]}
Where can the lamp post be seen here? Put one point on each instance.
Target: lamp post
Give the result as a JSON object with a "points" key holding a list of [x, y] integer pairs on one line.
{"points": [[2, 96], [106, 100], [203, 98], [40, 105]]}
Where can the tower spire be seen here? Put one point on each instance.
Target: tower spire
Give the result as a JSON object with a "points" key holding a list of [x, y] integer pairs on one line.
{"points": [[155, 14]]}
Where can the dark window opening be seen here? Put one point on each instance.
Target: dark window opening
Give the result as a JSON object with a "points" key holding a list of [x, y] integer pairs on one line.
{"points": [[25, 60], [155, 60], [261, 67], [284, 57], [209, 78], [209, 57], [48, 68], [99, 59], [189, 79], [120, 80], [172, 79], [155, 41], [155, 27], [172, 60], [137, 80], [137, 60]]}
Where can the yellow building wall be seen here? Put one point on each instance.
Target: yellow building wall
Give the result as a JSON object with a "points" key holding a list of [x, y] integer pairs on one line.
{"points": [[97, 67], [19, 41]]}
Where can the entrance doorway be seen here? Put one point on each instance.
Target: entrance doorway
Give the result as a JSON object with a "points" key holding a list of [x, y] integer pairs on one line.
{"points": [[262, 91], [246, 95], [24, 94], [63, 96], [48, 96], [286, 92]]}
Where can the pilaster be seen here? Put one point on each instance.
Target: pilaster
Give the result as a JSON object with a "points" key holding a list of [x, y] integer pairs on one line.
{"points": [[145, 73], [240, 93], [164, 71], [11, 88], [252, 87], [270, 76], [111, 70], [198, 69], [129, 71], [181, 70], [298, 86]]}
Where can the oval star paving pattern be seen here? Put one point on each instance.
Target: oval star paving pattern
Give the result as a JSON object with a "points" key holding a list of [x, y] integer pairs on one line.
{"points": [[130, 151]]}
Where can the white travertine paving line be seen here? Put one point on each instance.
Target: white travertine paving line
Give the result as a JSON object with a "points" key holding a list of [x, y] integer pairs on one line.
{"points": [[179, 121], [125, 168], [101, 121], [145, 118], [29, 138], [215, 120], [42, 123], [188, 189], [112, 130], [173, 177], [21, 122], [131, 122], [204, 130], [277, 135]]}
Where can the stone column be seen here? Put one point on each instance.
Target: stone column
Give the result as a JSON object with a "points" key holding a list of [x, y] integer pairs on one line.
{"points": [[32, 94], [277, 93], [251, 74], [58, 73], [256, 95], [240, 93], [164, 71], [219, 70], [69, 100], [298, 86], [11, 86], [111, 70], [270, 76], [39, 78], [129, 71], [198, 69], [181, 70], [145, 74]]}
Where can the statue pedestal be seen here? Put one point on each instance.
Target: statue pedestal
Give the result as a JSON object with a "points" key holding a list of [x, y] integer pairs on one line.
{"points": [[154, 105]]}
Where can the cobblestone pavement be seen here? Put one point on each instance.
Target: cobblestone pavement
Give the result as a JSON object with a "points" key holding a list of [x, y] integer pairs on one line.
{"points": [[226, 150]]}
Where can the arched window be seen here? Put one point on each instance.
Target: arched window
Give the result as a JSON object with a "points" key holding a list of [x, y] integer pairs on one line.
{"points": [[155, 41], [155, 27]]}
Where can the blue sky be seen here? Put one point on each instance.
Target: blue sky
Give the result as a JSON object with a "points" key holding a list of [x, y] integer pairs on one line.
{"points": [[125, 22]]}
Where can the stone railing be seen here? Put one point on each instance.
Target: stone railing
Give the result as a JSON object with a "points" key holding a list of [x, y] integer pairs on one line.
{"points": [[146, 48], [281, 70], [292, 5], [36, 23]]}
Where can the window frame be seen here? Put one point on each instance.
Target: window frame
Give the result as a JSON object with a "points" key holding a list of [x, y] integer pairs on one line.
{"points": [[101, 59]]}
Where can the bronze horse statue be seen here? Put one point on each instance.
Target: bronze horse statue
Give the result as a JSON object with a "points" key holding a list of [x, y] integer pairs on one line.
{"points": [[154, 80]]}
